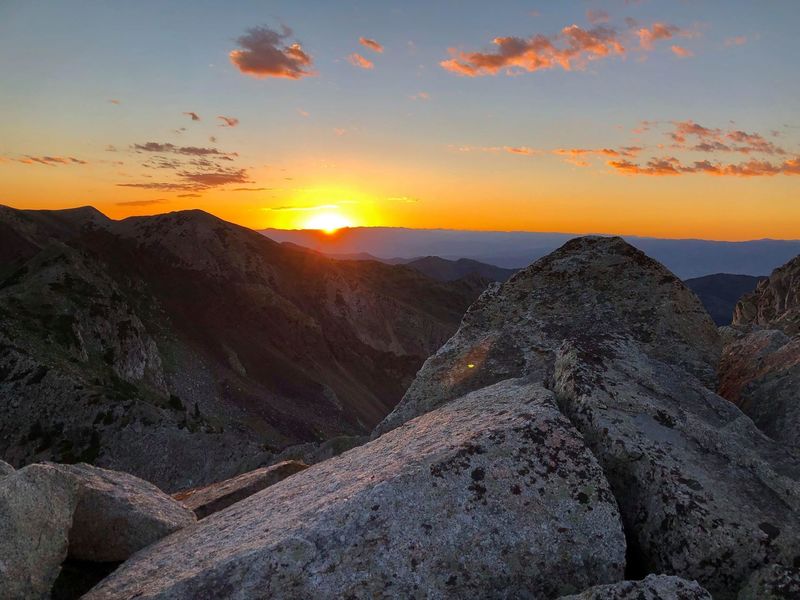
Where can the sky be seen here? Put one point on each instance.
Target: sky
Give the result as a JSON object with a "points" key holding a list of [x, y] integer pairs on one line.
{"points": [[666, 118]]}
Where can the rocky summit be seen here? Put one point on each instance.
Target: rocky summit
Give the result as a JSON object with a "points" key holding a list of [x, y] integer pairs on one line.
{"points": [[586, 434], [589, 286]]}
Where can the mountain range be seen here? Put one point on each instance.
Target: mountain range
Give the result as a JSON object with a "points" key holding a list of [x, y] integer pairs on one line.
{"points": [[687, 258], [144, 343]]}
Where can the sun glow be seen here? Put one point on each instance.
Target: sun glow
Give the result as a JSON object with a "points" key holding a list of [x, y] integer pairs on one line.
{"points": [[327, 222]]}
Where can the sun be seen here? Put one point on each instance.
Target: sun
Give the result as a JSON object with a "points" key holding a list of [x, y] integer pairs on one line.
{"points": [[327, 222]]}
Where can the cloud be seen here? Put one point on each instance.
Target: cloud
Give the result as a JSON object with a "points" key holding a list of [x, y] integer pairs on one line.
{"points": [[596, 17], [143, 202], [739, 40], [571, 48], [421, 96], [192, 195], [194, 116], [658, 31], [216, 178], [115, 101], [681, 52], [303, 113], [245, 189], [719, 140], [371, 44], [163, 186], [673, 166], [185, 150], [228, 121], [301, 208], [357, 60], [523, 150], [340, 131], [263, 53], [51, 161]]}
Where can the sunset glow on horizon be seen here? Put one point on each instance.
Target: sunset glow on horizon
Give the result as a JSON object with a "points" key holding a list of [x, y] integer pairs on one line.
{"points": [[641, 118]]}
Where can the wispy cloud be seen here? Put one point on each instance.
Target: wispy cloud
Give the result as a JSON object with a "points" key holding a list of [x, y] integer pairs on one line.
{"points": [[115, 101], [708, 139], [51, 161], [596, 17], [671, 166], [143, 202], [357, 60], [185, 150], [572, 48], [681, 52], [421, 96], [193, 115], [264, 52], [228, 121], [216, 178], [738, 40], [247, 189], [371, 44], [301, 208]]}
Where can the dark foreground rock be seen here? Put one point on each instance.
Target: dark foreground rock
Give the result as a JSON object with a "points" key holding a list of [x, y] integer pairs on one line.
{"points": [[36, 506], [117, 514], [213, 498], [492, 495], [773, 583], [5, 469], [589, 286], [51, 512], [652, 587], [702, 492]]}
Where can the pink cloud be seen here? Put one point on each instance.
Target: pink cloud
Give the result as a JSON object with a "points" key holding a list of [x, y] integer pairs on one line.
{"points": [[739, 40], [193, 115], [357, 60], [571, 48], [51, 161], [263, 53], [228, 121], [371, 44], [681, 52], [658, 31]]}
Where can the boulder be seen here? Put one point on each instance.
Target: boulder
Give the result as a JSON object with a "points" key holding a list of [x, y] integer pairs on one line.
{"points": [[652, 587], [118, 514], [703, 494], [591, 285], [760, 373], [492, 496], [5, 469], [36, 507], [773, 582], [213, 498]]}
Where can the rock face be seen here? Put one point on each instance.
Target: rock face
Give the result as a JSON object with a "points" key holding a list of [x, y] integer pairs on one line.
{"points": [[36, 507], [760, 367], [652, 587], [117, 514], [5, 469], [492, 495], [775, 303], [187, 334], [213, 498], [703, 494], [590, 286], [760, 373], [772, 583]]}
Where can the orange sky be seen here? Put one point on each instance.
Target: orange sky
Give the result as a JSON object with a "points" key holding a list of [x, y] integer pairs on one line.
{"points": [[632, 118]]}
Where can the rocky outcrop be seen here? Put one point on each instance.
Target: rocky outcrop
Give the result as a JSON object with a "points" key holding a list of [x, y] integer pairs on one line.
{"points": [[772, 583], [775, 303], [217, 496], [36, 507], [117, 514], [652, 587], [492, 495], [51, 512], [760, 373], [590, 286], [5, 469], [703, 494]]}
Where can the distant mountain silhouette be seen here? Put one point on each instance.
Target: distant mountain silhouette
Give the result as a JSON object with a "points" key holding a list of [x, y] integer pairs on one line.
{"points": [[451, 270], [173, 346], [514, 250], [720, 292]]}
